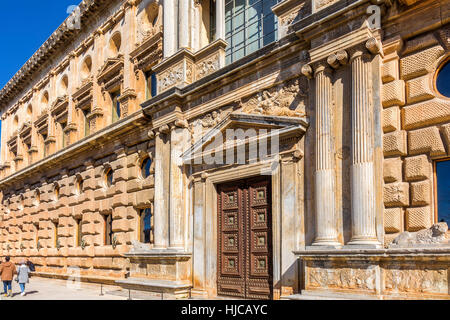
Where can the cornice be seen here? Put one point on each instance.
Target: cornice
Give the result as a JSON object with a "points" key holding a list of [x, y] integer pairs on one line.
{"points": [[61, 36]]}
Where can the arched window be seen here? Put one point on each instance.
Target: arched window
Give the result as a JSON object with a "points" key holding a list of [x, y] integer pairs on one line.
{"points": [[64, 85], [29, 112], [116, 113], [145, 167], [115, 43], [443, 79], [86, 68]]}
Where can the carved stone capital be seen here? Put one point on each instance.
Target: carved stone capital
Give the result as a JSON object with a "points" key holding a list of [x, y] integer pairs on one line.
{"points": [[333, 61], [164, 129], [307, 71], [374, 46]]}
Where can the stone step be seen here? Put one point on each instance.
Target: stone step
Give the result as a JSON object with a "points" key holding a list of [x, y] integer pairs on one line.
{"points": [[173, 288]]}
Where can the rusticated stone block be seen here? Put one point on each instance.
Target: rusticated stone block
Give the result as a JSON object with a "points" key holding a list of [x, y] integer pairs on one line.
{"points": [[421, 193], [426, 140], [419, 90], [420, 63], [396, 194], [120, 225], [102, 263], [445, 129], [393, 220], [393, 93], [427, 113], [390, 71], [417, 168], [394, 143], [392, 169], [391, 119], [418, 218]]}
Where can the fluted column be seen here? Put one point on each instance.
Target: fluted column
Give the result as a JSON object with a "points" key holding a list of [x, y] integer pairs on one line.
{"points": [[183, 24], [170, 27], [179, 142], [220, 19], [326, 222], [161, 219], [362, 170]]}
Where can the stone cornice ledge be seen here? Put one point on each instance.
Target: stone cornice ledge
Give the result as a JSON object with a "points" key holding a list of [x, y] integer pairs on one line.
{"points": [[105, 133], [159, 253], [433, 251]]}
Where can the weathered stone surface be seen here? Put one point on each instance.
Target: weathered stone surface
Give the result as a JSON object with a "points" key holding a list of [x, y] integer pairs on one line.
{"points": [[418, 218], [426, 140], [392, 170], [420, 63], [394, 143], [391, 119], [393, 93], [421, 193], [417, 168], [436, 234], [419, 90], [436, 111], [390, 71], [393, 220], [396, 194]]}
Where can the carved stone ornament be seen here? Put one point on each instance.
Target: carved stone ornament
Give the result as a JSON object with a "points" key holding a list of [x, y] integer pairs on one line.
{"points": [[434, 235], [287, 99]]}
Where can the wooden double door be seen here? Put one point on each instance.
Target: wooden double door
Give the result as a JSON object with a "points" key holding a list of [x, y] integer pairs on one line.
{"points": [[245, 239]]}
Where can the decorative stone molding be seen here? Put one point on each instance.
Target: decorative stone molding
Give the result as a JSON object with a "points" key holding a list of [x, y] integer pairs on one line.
{"points": [[185, 67], [288, 100], [148, 53], [110, 74], [59, 109], [127, 101], [83, 96]]}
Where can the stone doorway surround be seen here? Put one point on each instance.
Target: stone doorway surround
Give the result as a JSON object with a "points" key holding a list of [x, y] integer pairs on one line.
{"points": [[287, 212]]}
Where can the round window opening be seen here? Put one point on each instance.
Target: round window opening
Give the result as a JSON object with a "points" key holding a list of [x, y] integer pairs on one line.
{"points": [[443, 80], [109, 178], [145, 168]]}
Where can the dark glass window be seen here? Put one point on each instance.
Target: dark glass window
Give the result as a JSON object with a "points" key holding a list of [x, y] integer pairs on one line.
{"points": [[79, 233], [249, 26], [108, 229], [109, 178], [80, 186], [443, 190], [151, 84], [443, 80], [146, 226], [116, 114], [145, 168]]}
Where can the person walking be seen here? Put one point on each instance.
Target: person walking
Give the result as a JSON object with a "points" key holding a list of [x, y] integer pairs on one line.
{"points": [[23, 276], [7, 271]]}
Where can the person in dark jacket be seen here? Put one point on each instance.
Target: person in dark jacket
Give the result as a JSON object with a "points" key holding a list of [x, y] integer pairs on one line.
{"points": [[31, 266], [7, 271]]}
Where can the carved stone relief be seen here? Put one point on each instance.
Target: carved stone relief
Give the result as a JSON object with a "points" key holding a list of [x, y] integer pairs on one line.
{"points": [[287, 100]]}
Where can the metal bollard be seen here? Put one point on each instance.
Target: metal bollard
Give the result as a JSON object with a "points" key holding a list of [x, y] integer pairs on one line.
{"points": [[101, 289], [129, 294]]}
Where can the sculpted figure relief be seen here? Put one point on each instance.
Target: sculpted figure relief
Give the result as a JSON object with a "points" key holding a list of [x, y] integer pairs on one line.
{"points": [[436, 234], [285, 100]]}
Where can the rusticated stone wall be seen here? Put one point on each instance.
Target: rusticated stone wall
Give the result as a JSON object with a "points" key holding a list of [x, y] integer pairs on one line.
{"points": [[416, 129], [34, 205]]}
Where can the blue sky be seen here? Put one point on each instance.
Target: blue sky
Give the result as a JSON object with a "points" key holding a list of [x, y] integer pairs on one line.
{"points": [[25, 25]]}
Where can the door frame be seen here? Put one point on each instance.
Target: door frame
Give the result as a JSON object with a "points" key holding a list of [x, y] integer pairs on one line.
{"points": [[211, 216]]}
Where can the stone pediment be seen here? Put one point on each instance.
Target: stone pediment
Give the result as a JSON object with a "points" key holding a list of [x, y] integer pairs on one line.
{"points": [[60, 108], [83, 96], [264, 127], [111, 72]]}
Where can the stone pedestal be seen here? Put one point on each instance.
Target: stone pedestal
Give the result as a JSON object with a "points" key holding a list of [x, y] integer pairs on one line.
{"points": [[413, 273]]}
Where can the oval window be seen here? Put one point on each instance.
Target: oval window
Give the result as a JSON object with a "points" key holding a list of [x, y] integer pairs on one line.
{"points": [[443, 80], [145, 168]]}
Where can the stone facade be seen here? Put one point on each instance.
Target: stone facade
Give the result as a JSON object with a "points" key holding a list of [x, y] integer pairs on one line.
{"points": [[355, 108]]}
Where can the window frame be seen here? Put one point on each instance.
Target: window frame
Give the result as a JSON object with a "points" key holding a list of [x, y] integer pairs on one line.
{"points": [[444, 62], [435, 188], [142, 214]]}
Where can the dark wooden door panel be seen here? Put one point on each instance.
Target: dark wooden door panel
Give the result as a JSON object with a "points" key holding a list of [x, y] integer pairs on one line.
{"points": [[245, 240]]}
